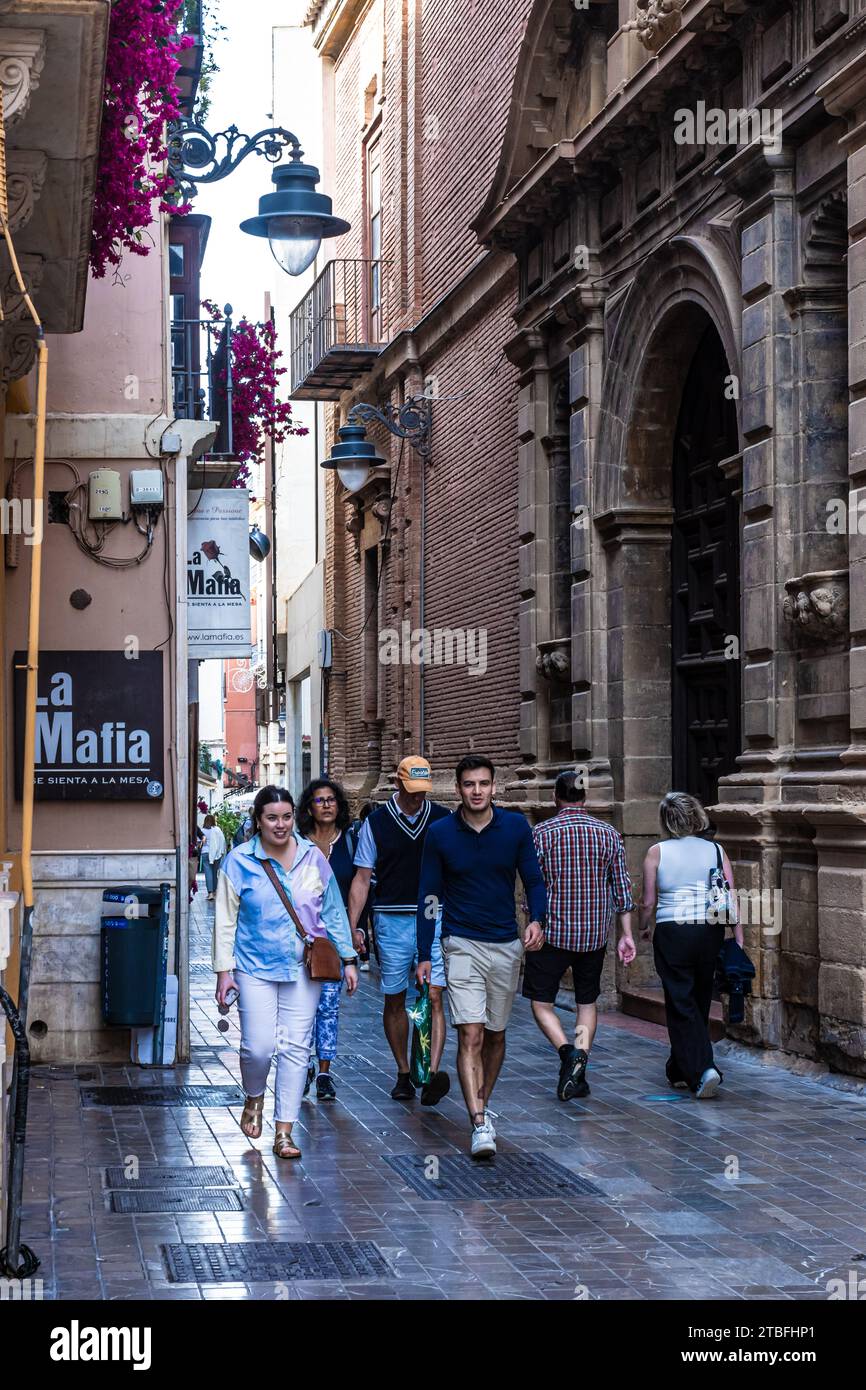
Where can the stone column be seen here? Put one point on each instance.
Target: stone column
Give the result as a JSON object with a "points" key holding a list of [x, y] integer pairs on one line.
{"points": [[528, 350], [769, 427], [845, 95]]}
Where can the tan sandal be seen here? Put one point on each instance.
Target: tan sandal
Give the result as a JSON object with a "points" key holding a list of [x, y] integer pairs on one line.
{"points": [[251, 1117], [284, 1145]]}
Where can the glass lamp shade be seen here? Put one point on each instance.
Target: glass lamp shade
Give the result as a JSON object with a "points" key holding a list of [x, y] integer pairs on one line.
{"points": [[294, 242], [354, 475]]}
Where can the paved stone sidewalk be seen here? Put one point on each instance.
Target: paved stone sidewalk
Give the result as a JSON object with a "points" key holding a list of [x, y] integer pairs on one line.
{"points": [[756, 1195]]}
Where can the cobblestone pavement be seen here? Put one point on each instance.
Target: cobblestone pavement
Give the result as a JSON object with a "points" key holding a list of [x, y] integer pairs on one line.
{"points": [[756, 1195]]}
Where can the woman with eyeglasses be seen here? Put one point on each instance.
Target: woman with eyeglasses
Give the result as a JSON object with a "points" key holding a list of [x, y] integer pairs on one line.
{"points": [[258, 948], [324, 818]]}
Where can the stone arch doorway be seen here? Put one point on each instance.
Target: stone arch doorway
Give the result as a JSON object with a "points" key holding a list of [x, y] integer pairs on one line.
{"points": [[705, 560], [677, 312]]}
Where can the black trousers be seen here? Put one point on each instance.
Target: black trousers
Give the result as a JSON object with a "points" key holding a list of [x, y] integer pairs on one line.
{"points": [[685, 956]]}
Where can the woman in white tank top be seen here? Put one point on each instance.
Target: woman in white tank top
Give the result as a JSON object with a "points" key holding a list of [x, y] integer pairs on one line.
{"points": [[685, 944]]}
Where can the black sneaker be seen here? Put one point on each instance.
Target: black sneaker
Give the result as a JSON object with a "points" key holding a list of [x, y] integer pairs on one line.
{"points": [[581, 1090], [311, 1072], [438, 1086], [571, 1073], [325, 1088], [403, 1090]]}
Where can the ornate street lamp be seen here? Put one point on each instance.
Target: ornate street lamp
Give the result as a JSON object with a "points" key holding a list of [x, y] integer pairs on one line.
{"points": [[295, 219], [355, 455]]}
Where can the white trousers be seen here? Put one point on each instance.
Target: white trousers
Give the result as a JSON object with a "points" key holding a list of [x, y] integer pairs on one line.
{"points": [[276, 1019]]}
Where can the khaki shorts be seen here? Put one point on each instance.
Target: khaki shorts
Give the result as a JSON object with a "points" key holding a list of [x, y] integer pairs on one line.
{"points": [[482, 979]]}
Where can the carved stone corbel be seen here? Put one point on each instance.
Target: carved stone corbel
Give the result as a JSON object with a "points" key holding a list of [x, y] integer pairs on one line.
{"points": [[655, 22], [553, 660], [816, 606], [355, 525], [22, 58], [12, 298], [25, 179], [18, 351]]}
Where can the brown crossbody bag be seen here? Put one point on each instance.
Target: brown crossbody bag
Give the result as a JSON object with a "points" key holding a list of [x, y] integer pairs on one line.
{"points": [[321, 957]]}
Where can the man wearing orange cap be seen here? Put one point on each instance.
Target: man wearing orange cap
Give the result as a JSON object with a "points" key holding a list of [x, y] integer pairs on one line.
{"points": [[390, 845]]}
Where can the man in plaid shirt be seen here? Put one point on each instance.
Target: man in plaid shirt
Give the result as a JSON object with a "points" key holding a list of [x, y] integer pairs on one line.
{"points": [[583, 863]]}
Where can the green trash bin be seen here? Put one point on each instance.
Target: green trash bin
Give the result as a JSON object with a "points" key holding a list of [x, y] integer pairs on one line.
{"points": [[134, 937]]}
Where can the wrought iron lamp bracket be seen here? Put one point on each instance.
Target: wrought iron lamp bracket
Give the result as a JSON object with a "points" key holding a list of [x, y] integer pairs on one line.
{"points": [[196, 156], [412, 421]]}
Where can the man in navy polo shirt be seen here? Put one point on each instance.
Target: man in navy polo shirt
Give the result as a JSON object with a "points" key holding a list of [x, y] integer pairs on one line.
{"points": [[470, 864], [390, 846]]}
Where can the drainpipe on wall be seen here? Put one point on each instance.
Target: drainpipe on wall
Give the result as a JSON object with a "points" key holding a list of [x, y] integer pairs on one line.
{"points": [[17, 1259]]}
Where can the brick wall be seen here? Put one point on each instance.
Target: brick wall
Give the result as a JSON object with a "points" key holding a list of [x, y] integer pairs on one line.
{"points": [[446, 72], [468, 62]]}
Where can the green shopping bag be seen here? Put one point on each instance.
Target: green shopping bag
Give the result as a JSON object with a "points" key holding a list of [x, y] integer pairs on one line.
{"points": [[421, 1015]]}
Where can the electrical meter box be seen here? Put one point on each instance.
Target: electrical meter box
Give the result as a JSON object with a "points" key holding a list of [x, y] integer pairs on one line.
{"points": [[104, 495], [145, 487]]}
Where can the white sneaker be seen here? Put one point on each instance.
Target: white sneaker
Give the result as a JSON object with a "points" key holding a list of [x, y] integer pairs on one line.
{"points": [[483, 1141], [365, 965], [708, 1084], [489, 1117]]}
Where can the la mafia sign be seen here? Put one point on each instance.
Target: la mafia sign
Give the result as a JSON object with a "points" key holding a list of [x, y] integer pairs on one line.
{"points": [[99, 726]]}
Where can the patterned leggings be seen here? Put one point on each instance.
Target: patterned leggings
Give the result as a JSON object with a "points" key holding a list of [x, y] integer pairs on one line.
{"points": [[323, 1037]]}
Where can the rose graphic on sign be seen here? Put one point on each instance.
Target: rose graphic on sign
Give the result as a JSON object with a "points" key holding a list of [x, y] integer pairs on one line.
{"points": [[212, 552]]}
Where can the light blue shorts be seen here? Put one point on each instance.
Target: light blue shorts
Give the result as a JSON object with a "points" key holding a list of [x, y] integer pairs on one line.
{"points": [[396, 942]]}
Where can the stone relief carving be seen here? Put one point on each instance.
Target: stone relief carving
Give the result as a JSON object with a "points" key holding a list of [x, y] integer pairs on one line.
{"points": [[817, 605], [655, 22], [19, 352], [553, 660], [22, 57]]}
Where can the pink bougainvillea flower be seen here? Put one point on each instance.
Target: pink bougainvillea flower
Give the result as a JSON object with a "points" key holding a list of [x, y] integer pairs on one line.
{"points": [[140, 97], [256, 412]]}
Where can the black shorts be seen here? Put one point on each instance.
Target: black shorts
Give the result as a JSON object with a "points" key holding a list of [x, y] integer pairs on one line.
{"points": [[543, 970]]}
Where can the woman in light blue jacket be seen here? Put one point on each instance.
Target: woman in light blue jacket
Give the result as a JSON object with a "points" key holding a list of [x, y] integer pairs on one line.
{"points": [[257, 947]]}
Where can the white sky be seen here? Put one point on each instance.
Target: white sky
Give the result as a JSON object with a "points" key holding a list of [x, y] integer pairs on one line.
{"points": [[239, 268]]}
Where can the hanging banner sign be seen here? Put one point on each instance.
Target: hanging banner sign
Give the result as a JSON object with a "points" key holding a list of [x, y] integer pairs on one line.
{"points": [[218, 575], [99, 726]]}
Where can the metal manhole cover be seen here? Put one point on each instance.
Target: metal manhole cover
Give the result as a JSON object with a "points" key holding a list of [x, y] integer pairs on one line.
{"points": [[251, 1261], [352, 1059], [151, 1175], [204, 1199], [509, 1177], [205, 1097]]}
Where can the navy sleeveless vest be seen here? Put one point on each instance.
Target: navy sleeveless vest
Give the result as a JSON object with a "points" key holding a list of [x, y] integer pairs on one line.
{"points": [[399, 848]]}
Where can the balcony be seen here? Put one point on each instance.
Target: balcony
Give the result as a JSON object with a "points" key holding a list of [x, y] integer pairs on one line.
{"points": [[201, 379], [338, 329]]}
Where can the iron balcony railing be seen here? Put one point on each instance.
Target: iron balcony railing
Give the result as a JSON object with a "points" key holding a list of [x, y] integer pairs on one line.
{"points": [[201, 371], [345, 308]]}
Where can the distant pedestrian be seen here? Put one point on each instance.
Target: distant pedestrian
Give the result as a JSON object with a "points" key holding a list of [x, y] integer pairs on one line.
{"points": [[390, 847], [688, 936], [584, 867], [257, 946], [244, 830], [324, 818], [471, 862], [213, 853]]}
